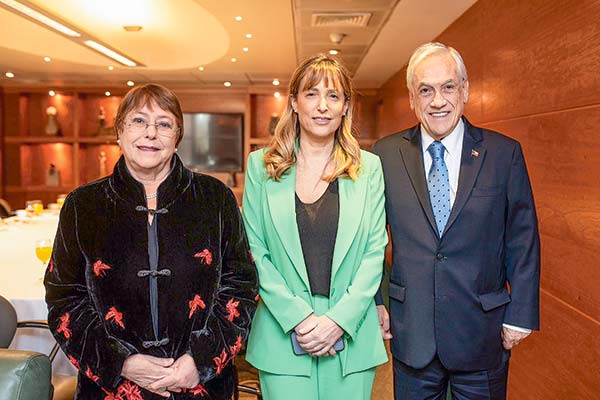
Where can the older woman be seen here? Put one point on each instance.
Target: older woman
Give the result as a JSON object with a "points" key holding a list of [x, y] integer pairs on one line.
{"points": [[151, 286], [314, 213]]}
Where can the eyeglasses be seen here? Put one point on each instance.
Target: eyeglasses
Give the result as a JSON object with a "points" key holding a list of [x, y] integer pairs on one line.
{"points": [[163, 127]]}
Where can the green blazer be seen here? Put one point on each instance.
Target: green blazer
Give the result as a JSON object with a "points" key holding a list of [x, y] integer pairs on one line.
{"points": [[285, 297]]}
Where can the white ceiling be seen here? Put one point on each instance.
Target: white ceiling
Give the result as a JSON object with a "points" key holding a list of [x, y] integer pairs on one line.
{"points": [[178, 36]]}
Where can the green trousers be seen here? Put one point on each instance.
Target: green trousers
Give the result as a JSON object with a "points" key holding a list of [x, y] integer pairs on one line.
{"points": [[325, 381]]}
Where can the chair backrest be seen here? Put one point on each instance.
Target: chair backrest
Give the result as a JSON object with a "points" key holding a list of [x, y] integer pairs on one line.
{"points": [[5, 210], [8, 323], [24, 375]]}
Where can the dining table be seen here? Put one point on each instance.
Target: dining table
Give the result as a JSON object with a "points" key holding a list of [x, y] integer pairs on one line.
{"points": [[21, 281]]}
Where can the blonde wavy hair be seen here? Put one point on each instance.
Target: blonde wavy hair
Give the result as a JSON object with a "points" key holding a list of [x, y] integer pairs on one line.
{"points": [[281, 154]]}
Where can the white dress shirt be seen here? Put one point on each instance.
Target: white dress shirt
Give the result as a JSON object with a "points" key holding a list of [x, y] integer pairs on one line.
{"points": [[453, 144]]}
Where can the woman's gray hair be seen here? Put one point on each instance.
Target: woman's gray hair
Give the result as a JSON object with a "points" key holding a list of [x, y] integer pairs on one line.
{"points": [[430, 49]]}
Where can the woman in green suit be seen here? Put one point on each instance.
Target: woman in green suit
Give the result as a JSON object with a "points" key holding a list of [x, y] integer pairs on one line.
{"points": [[314, 214]]}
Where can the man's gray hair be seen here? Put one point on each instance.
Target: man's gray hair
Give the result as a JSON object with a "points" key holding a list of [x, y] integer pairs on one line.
{"points": [[430, 49]]}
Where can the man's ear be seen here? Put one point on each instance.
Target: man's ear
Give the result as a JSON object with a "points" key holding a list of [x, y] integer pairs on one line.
{"points": [[466, 91], [411, 99]]}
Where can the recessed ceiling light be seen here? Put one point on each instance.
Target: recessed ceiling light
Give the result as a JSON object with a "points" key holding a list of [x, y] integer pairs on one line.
{"points": [[52, 93], [233, 59], [200, 69], [110, 67], [107, 93], [334, 52], [238, 18], [248, 36], [226, 83], [132, 28], [276, 82], [9, 74], [109, 53], [277, 95], [38, 16], [47, 59], [245, 49], [130, 83]]}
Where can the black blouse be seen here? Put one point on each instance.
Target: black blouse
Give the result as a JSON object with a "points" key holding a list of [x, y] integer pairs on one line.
{"points": [[317, 226]]}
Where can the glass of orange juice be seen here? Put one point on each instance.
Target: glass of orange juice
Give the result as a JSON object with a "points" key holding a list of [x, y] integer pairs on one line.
{"points": [[34, 207], [60, 200], [43, 250]]}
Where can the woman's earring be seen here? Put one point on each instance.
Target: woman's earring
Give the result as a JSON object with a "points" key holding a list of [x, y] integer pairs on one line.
{"points": [[175, 148]]}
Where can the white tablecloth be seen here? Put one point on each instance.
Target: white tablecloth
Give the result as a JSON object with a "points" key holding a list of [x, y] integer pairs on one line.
{"points": [[21, 275]]}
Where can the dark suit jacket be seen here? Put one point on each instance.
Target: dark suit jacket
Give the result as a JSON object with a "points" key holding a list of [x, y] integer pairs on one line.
{"points": [[450, 295]]}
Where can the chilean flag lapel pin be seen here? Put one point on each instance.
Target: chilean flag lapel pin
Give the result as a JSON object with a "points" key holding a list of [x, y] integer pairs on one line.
{"points": [[474, 153]]}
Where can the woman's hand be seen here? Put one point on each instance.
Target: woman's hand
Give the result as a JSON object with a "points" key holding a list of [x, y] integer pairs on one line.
{"points": [[307, 325], [184, 375], [319, 340], [144, 371]]}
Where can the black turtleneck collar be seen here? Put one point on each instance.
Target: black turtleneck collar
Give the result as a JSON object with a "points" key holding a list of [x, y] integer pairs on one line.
{"points": [[132, 191]]}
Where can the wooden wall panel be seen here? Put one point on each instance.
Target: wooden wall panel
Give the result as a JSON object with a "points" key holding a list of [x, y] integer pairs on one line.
{"points": [[533, 75], [561, 361], [540, 56], [365, 115], [265, 106], [212, 102]]}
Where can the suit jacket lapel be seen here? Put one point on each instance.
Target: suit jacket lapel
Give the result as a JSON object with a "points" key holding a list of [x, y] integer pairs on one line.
{"points": [[471, 160], [412, 156], [282, 206], [352, 196]]}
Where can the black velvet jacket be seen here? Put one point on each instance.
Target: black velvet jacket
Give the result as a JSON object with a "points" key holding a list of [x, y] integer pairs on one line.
{"points": [[98, 282]]}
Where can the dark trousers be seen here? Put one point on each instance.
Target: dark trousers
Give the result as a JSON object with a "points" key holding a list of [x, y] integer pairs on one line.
{"points": [[431, 382]]}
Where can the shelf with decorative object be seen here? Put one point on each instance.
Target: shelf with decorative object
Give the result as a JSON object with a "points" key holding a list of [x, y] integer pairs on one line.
{"points": [[55, 139]]}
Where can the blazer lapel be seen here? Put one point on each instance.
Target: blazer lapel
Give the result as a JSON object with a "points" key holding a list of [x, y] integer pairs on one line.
{"points": [[412, 156], [352, 196], [471, 160], [282, 206]]}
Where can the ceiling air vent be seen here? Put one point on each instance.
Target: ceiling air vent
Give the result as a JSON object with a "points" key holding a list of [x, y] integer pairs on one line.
{"points": [[325, 20]]}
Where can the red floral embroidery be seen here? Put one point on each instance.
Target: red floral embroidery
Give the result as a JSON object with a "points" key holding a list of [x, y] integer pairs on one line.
{"points": [[90, 374], [221, 361], [232, 310], [100, 268], [116, 316], [74, 361], [205, 256], [237, 346], [51, 266], [196, 303], [131, 391], [257, 297], [63, 327], [111, 396], [197, 390], [251, 256]]}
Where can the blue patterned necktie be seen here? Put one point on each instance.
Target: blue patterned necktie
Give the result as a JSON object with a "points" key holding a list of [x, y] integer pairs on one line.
{"points": [[439, 186]]}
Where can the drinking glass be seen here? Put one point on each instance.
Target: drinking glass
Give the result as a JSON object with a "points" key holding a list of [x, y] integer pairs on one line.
{"points": [[60, 200], [43, 250], [34, 207]]}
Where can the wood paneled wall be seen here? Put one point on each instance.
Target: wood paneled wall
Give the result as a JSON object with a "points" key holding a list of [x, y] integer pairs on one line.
{"points": [[533, 73]]}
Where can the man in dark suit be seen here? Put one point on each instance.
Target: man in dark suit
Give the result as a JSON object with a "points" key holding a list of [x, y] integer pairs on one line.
{"points": [[465, 274]]}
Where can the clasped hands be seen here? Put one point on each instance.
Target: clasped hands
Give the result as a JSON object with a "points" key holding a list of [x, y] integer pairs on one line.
{"points": [[317, 335], [161, 375]]}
